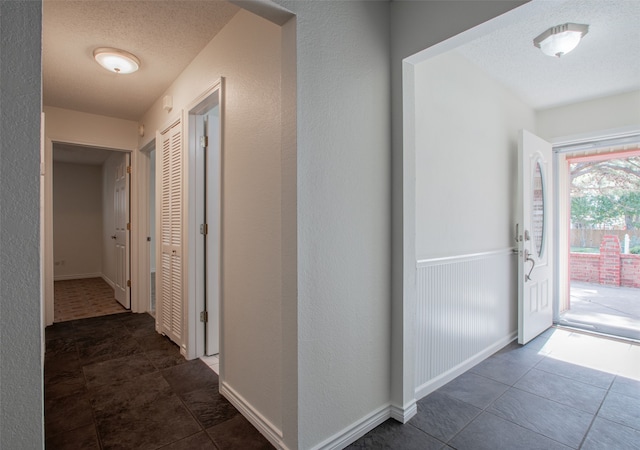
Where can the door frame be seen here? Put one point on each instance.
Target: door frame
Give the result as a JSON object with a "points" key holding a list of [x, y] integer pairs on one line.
{"points": [[47, 207], [195, 335], [143, 267], [561, 147]]}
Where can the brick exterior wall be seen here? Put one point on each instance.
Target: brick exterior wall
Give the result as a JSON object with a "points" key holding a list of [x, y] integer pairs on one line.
{"points": [[609, 267], [610, 261], [585, 267], [630, 271]]}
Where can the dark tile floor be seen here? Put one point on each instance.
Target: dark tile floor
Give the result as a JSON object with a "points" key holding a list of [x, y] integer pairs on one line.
{"points": [[112, 382], [564, 390]]}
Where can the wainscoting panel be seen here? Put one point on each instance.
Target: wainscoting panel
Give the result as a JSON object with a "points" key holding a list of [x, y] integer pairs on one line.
{"points": [[466, 310]]}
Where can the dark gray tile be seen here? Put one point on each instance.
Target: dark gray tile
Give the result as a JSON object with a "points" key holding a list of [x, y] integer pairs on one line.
{"points": [[115, 371], [238, 433], [523, 355], [626, 386], [199, 441], [622, 409], [61, 345], [442, 416], [141, 413], [394, 435], [610, 435], [474, 389], [84, 437], [107, 348], [58, 330], [209, 407], [558, 422], [66, 413], [585, 397], [503, 370], [190, 376], [575, 372], [63, 376], [488, 432], [160, 350]]}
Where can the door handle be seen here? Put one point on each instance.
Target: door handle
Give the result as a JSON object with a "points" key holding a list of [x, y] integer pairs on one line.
{"points": [[113, 237], [528, 258]]}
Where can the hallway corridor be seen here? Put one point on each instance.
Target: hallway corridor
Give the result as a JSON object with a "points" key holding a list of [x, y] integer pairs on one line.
{"points": [[112, 382]]}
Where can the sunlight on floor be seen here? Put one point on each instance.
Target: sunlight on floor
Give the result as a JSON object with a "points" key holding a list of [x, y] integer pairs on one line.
{"points": [[599, 353]]}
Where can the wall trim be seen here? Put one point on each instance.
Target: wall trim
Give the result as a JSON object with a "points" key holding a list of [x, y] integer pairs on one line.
{"points": [[108, 281], [266, 428], [405, 414], [80, 276], [356, 430], [461, 258], [442, 379]]}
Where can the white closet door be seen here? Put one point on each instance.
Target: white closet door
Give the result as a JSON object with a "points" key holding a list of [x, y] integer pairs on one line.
{"points": [[170, 307]]}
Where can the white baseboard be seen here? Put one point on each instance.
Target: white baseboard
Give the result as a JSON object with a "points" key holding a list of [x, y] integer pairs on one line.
{"points": [[266, 428], [80, 276], [439, 381], [356, 430], [403, 415], [108, 281]]}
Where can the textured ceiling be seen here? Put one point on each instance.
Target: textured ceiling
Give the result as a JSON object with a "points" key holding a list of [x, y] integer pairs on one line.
{"points": [[165, 35], [606, 62]]}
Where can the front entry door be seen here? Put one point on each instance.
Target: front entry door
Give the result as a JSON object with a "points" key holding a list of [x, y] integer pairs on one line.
{"points": [[121, 237], [534, 234]]}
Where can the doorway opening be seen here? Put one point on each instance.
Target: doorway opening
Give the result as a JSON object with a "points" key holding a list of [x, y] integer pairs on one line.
{"points": [[603, 248], [90, 217], [205, 216]]}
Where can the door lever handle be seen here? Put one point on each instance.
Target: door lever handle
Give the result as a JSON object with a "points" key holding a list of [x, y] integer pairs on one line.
{"points": [[113, 237], [528, 258]]}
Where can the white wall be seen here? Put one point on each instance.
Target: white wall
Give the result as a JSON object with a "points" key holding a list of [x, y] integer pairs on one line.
{"points": [[247, 53], [466, 154], [65, 125], [343, 209], [466, 151], [616, 111], [21, 404], [415, 26], [77, 220]]}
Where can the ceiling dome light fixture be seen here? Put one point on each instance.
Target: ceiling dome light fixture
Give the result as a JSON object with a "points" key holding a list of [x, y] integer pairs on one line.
{"points": [[115, 60], [561, 39]]}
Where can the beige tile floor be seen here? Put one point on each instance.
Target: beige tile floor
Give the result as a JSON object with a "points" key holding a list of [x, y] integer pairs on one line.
{"points": [[81, 299]]}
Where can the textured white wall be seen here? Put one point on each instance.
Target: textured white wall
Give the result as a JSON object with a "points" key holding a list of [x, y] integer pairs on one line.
{"points": [[466, 154], [77, 220], [21, 411], [616, 111], [247, 53], [415, 26], [343, 206]]}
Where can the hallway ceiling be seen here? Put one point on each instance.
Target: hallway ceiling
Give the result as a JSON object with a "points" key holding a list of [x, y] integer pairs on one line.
{"points": [[165, 35], [606, 62]]}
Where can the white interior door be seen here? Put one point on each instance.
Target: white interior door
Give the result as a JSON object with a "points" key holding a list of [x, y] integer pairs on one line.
{"points": [[534, 236], [121, 240]]}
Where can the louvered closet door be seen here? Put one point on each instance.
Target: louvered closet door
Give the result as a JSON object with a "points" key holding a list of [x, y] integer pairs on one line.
{"points": [[170, 306]]}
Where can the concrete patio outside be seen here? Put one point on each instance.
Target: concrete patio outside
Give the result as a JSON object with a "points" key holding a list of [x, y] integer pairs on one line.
{"points": [[604, 309]]}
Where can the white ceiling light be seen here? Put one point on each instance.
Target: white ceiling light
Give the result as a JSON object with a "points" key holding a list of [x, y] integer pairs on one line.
{"points": [[561, 39], [115, 60]]}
